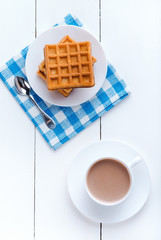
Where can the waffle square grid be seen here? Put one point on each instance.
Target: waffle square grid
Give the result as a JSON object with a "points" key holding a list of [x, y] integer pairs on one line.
{"points": [[42, 74], [69, 65]]}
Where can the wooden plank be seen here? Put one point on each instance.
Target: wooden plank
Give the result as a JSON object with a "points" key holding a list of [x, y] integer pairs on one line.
{"points": [[56, 217], [16, 130], [131, 36]]}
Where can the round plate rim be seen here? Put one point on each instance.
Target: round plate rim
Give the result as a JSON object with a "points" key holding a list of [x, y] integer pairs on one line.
{"points": [[52, 29]]}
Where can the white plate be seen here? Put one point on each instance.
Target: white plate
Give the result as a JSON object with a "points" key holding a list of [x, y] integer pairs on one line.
{"points": [[107, 214], [35, 56]]}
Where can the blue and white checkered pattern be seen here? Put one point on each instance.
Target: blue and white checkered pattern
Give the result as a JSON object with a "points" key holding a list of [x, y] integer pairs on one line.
{"points": [[69, 120]]}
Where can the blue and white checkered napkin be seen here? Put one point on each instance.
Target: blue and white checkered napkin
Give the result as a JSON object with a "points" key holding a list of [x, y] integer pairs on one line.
{"points": [[69, 120]]}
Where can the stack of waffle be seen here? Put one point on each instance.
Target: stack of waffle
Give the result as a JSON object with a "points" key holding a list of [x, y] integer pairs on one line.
{"points": [[67, 65]]}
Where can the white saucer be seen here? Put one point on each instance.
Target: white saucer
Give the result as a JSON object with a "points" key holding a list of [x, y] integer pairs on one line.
{"points": [[107, 214], [36, 55]]}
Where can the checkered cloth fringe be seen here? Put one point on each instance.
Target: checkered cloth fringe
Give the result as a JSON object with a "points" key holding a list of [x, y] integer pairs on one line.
{"points": [[69, 120]]}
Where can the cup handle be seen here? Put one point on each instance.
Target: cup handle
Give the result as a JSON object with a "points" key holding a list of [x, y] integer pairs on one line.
{"points": [[134, 162]]}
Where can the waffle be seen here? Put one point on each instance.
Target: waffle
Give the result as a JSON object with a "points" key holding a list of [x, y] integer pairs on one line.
{"points": [[68, 39], [42, 70], [69, 65], [42, 74]]}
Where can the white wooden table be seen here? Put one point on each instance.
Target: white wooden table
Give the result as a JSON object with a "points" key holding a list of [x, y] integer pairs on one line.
{"points": [[34, 202]]}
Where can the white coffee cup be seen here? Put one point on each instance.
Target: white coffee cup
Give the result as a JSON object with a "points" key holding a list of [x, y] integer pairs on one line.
{"points": [[128, 166]]}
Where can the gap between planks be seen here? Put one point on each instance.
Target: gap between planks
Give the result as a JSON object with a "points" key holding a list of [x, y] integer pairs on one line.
{"points": [[100, 36], [35, 141]]}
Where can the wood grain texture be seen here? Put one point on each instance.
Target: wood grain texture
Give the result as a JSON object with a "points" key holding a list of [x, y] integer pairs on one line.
{"points": [[34, 201], [56, 217], [16, 130], [131, 36]]}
